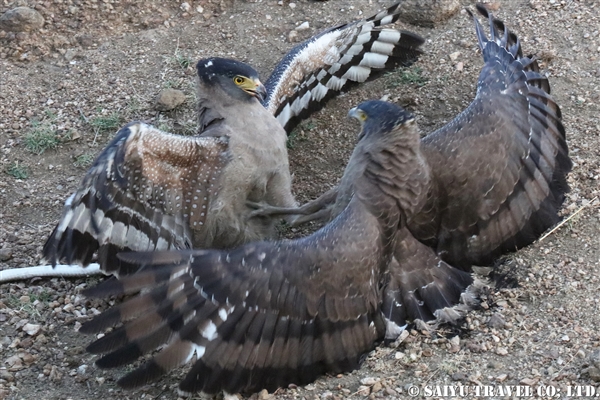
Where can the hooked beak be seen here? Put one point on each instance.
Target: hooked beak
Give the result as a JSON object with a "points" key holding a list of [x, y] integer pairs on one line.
{"points": [[353, 113], [258, 90]]}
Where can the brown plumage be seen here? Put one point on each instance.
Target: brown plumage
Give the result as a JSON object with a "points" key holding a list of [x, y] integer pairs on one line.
{"points": [[272, 313], [498, 178], [146, 190]]}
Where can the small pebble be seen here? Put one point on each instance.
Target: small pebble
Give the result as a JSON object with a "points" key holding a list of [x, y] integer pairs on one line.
{"points": [[168, 99], [6, 254], [32, 329], [369, 381], [303, 26]]}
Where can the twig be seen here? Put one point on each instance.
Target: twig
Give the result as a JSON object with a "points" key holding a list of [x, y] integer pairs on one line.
{"points": [[430, 377], [564, 221], [83, 115], [96, 132], [566, 364]]}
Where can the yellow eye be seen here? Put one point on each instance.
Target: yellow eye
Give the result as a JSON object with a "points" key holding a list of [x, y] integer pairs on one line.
{"points": [[239, 80], [363, 116]]}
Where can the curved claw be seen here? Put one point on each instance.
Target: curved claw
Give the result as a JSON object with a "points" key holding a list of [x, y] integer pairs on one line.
{"points": [[266, 210]]}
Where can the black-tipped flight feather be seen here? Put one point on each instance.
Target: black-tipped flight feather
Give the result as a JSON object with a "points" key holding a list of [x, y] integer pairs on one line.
{"points": [[336, 60], [145, 190]]}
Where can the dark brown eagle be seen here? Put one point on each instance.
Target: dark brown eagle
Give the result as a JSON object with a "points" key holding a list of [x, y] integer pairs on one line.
{"points": [[498, 178]]}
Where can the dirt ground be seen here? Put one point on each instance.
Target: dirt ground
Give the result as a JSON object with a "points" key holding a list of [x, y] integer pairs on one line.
{"points": [[99, 64]]}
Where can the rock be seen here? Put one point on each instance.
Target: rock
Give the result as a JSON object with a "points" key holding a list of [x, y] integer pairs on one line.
{"points": [[593, 373], [293, 36], [369, 381], [303, 26], [594, 358], [27, 358], [31, 329], [7, 376], [428, 12], [85, 40], [55, 375], [528, 381], [70, 54], [376, 387], [459, 376], [496, 321], [168, 99], [5, 254], [14, 363], [21, 19], [454, 344], [185, 6]]}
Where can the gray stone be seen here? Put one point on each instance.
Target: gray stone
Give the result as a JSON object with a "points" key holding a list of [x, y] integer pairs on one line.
{"points": [[428, 12], [459, 376], [594, 358], [168, 99], [21, 19], [496, 321], [593, 373], [5, 254]]}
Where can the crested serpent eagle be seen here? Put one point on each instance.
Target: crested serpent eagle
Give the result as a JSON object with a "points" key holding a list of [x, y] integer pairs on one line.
{"points": [[498, 178]]}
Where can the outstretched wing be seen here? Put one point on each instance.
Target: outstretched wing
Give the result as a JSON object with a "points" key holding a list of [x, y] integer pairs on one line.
{"points": [[146, 191], [500, 166], [335, 60], [261, 316]]}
